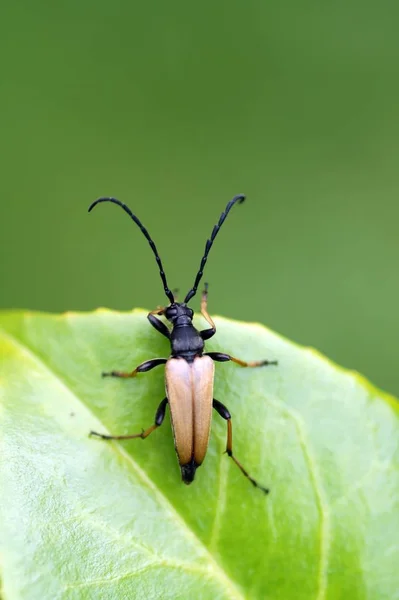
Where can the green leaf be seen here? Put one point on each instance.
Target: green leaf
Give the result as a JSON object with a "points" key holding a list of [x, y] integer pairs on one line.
{"points": [[84, 518]]}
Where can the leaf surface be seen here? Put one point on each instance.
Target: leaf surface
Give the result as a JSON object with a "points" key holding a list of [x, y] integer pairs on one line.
{"points": [[83, 518]]}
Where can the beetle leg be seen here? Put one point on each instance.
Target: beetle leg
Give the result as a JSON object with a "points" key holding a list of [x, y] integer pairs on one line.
{"points": [[221, 357], [206, 333], [159, 326], [145, 366], [225, 414], [159, 417], [159, 310]]}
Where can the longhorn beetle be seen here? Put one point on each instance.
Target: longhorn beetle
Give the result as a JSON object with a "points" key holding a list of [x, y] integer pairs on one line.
{"points": [[189, 371]]}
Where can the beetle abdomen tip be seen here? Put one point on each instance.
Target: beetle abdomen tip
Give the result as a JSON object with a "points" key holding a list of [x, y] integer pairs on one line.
{"points": [[188, 471]]}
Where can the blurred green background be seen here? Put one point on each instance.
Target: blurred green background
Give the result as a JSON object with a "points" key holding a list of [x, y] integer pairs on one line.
{"points": [[174, 108]]}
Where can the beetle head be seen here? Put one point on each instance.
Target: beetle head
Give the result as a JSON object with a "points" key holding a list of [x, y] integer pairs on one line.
{"points": [[178, 313]]}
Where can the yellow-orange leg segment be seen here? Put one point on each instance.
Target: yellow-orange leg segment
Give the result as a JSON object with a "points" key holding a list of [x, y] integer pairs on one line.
{"points": [[206, 333], [159, 310], [223, 412], [204, 307], [159, 417], [145, 366], [221, 357]]}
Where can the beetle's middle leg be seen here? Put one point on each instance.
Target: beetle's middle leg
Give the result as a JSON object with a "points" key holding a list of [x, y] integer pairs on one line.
{"points": [[206, 333], [221, 357], [225, 414], [159, 417], [145, 366]]}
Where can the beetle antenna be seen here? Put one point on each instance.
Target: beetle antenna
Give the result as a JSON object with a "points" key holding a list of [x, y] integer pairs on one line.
{"points": [[168, 292], [240, 198]]}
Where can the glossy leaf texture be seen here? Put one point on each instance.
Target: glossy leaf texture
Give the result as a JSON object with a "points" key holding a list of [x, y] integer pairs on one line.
{"points": [[83, 518]]}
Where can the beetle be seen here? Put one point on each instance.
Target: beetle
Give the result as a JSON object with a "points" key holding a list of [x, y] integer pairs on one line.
{"points": [[189, 371]]}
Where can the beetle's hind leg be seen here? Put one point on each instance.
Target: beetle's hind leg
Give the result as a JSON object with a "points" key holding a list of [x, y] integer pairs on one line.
{"points": [[159, 417], [206, 333], [225, 414], [221, 357], [145, 366]]}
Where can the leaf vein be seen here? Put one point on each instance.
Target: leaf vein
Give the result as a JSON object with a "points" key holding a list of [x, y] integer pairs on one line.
{"points": [[187, 567], [220, 502], [321, 500], [227, 584]]}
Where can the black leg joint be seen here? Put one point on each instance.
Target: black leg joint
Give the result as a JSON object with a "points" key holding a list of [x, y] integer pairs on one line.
{"points": [[207, 333], [159, 325], [160, 414], [221, 409], [218, 356], [150, 364]]}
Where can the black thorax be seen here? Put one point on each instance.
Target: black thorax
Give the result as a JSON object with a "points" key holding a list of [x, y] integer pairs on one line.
{"points": [[186, 341]]}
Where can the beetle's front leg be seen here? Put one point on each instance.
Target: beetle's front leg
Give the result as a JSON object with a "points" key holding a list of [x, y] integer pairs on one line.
{"points": [[206, 333], [156, 323], [145, 366], [221, 357]]}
